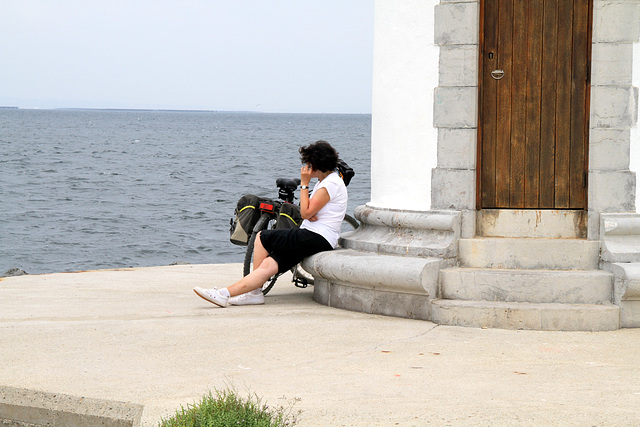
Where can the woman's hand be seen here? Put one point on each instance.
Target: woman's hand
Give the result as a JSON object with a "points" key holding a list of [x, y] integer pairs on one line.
{"points": [[305, 175]]}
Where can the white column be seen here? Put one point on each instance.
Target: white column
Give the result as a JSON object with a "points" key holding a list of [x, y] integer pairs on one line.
{"points": [[635, 131], [405, 74]]}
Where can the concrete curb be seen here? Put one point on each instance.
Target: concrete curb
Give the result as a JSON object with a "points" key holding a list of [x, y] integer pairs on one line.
{"points": [[23, 407]]}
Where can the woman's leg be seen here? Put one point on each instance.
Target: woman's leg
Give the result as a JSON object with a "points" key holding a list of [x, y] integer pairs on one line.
{"points": [[259, 255], [259, 252], [264, 268], [254, 280]]}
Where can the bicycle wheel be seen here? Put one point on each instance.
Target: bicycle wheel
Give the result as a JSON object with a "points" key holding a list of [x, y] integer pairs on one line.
{"points": [[349, 224], [264, 223], [267, 286]]}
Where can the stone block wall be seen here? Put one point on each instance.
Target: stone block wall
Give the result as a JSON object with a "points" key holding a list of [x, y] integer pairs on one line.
{"points": [[614, 109], [453, 181]]}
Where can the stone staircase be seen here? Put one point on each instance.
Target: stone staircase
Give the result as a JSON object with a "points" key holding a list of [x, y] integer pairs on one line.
{"points": [[390, 265], [620, 254], [527, 283], [523, 270]]}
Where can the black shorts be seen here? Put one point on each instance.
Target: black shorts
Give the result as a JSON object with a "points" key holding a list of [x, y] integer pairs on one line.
{"points": [[290, 246]]}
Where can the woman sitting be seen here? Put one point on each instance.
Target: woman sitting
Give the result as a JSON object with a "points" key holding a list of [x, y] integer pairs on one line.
{"points": [[277, 251]]}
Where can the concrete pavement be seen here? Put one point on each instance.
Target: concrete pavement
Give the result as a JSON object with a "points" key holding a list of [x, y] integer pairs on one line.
{"points": [[136, 344]]}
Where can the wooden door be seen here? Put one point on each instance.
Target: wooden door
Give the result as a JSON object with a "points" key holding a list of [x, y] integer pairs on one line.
{"points": [[534, 103]]}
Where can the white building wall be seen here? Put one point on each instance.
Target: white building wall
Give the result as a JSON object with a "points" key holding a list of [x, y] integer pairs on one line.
{"points": [[405, 74], [635, 131]]}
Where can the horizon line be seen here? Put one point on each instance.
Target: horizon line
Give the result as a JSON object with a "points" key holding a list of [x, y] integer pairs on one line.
{"points": [[8, 107]]}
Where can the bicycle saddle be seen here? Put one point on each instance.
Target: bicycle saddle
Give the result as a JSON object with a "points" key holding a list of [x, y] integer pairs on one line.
{"points": [[291, 184]]}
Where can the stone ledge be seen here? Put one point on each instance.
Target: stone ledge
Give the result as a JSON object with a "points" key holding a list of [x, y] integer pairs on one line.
{"points": [[405, 233], [372, 301], [389, 273], [614, 224], [23, 406], [519, 315], [626, 284], [536, 286], [420, 220], [529, 253], [543, 223], [376, 284], [627, 281], [390, 264]]}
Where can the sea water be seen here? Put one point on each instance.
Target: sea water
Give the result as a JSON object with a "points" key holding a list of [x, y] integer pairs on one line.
{"points": [[92, 189]]}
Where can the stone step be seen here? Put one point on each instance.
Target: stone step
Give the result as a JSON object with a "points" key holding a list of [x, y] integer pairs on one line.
{"points": [[627, 292], [529, 253], [401, 233], [372, 283], [521, 315], [536, 286], [548, 223]]}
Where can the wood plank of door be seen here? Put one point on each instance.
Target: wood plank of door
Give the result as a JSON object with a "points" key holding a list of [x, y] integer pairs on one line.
{"points": [[563, 104], [503, 140], [548, 116], [518, 106], [580, 103], [489, 111], [534, 82]]}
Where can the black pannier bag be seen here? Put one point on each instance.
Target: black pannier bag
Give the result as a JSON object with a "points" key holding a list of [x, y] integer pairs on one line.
{"points": [[246, 215], [345, 172], [289, 216]]}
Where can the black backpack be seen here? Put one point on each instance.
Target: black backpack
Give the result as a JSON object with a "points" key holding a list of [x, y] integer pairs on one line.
{"points": [[345, 171], [244, 219], [289, 216]]}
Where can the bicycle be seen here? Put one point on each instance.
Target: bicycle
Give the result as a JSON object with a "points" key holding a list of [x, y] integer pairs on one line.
{"points": [[271, 209]]}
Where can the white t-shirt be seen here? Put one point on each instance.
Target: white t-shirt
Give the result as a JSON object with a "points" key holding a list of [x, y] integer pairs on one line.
{"points": [[331, 215]]}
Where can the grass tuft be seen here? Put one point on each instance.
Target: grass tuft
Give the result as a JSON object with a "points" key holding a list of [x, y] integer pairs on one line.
{"points": [[226, 408]]}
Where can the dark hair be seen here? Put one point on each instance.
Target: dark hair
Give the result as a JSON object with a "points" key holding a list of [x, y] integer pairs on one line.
{"points": [[320, 155]]}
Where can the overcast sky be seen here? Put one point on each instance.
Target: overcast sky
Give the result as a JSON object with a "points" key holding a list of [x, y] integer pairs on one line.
{"points": [[256, 55]]}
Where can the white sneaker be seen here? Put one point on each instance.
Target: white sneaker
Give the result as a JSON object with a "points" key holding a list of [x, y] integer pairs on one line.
{"points": [[212, 295], [247, 299]]}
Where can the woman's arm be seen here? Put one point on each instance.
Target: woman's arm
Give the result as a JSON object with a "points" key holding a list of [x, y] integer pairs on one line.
{"points": [[310, 207]]}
